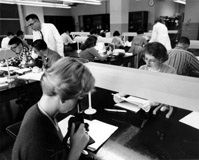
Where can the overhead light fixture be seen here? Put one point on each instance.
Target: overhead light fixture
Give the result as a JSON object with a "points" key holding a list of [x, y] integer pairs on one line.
{"points": [[180, 1], [48, 4], [35, 3], [7, 2], [93, 2]]}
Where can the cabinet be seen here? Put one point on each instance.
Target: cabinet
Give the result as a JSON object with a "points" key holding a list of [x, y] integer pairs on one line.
{"points": [[62, 23], [138, 20], [99, 22]]}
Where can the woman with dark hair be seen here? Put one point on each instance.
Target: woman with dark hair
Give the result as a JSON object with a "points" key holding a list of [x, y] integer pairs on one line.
{"points": [[117, 41], [155, 54], [89, 52]]}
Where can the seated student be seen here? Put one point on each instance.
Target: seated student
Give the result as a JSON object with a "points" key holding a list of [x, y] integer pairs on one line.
{"points": [[136, 47], [139, 40], [117, 41], [5, 40], [182, 60], [100, 46], [23, 54], [66, 38], [39, 137], [48, 56], [20, 34], [155, 54], [89, 52]]}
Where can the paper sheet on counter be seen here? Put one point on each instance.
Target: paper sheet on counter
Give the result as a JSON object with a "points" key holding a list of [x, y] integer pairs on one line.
{"points": [[95, 131], [191, 119], [31, 76]]}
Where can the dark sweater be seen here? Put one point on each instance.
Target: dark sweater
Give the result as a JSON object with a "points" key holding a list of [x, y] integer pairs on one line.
{"points": [[38, 139]]}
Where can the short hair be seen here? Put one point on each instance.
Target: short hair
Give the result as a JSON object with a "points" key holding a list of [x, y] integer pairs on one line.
{"points": [[116, 33], [184, 40], [90, 42], [15, 40], [140, 31], [32, 16], [68, 78], [19, 33], [161, 20], [39, 44], [102, 34], [10, 34], [157, 50], [93, 31]]}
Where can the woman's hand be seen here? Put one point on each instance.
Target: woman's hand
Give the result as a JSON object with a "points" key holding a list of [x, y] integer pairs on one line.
{"points": [[78, 141], [118, 97]]}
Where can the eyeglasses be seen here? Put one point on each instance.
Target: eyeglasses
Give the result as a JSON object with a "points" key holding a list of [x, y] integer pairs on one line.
{"points": [[31, 24], [14, 48], [150, 60]]}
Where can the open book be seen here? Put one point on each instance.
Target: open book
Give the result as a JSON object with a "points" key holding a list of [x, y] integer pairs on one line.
{"points": [[98, 130]]}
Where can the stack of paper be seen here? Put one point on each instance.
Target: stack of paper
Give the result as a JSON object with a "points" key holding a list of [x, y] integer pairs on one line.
{"points": [[23, 70], [11, 68], [128, 106], [98, 130], [134, 104]]}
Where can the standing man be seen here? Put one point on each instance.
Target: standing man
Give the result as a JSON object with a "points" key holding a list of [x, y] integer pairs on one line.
{"points": [[47, 32]]}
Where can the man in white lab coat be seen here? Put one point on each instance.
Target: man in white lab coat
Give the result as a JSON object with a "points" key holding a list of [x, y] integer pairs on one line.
{"points": [[46, 31], [160, 34]]}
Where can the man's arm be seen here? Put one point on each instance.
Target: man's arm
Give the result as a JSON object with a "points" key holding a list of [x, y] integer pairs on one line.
{"points": [[59, 42], [195, 66]]}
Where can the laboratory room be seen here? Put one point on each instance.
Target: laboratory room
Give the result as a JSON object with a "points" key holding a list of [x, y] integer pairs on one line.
{"points": [[99, 79]]}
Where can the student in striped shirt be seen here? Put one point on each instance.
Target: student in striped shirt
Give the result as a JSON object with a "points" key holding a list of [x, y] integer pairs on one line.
{"points": [[182, 60]]}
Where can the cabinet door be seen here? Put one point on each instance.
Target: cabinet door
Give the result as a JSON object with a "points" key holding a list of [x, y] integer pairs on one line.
{"points": [[138, 20]]}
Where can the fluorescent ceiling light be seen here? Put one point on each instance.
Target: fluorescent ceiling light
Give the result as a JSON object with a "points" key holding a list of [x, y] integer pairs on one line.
{"points": [[180, 1], [41, 4], [49, 4], [94, 2]]}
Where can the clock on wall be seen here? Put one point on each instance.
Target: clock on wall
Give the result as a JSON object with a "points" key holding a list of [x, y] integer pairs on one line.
{"points": [[151, 2]]}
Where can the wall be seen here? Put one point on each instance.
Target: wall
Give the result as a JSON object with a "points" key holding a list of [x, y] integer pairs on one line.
{"points": [[26, 10], [192, 11], [191, 20], [48, 11], [82, 9], [165, 8], [143, 5]]}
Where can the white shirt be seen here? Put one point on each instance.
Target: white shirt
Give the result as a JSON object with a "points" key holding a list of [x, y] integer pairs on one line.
{"points": [[51, 37], [4, 43], [160, 34], [66, 38]]}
